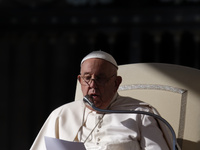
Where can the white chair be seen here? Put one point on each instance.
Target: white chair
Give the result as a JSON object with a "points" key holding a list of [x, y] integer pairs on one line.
{"points": [[172, 89]]}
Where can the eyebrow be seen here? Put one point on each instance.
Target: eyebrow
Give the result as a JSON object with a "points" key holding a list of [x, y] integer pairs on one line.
{"points": [[98, 75], [85, 73]]}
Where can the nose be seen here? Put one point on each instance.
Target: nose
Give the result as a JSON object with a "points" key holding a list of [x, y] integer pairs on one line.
{"points": [[92, 83]]}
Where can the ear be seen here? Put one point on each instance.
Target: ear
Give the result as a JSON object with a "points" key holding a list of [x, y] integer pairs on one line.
{"points": [[79, 78], [118, 81]]}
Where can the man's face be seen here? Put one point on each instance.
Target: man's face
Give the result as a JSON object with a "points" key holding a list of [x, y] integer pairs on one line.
{"points": [[103, 81]]}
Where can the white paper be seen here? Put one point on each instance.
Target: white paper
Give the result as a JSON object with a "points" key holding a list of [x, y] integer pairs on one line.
{"points": [[57, 144]]}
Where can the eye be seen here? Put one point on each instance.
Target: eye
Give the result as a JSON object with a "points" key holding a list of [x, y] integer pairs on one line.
{"points": [[97, 78], [100, 79], [87, 77]]}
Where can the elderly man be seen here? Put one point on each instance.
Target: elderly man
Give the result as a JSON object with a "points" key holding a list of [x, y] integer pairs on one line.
{"points": [[78, 122]]}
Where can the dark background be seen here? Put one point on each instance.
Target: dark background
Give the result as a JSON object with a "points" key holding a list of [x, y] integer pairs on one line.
{"points": [[43, 41]]}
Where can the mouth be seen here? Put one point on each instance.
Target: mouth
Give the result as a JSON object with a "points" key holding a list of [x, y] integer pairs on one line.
{"points": [[94, 97]]}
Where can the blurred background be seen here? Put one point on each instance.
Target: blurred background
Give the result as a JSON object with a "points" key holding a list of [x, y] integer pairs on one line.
{"points": [[43, 41]]}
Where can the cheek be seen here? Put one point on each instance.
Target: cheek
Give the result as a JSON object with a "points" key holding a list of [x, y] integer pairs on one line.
{"points": [[108, 91], [84, 90]]}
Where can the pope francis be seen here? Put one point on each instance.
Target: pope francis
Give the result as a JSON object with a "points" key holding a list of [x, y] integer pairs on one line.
{"points": [[78, 122]]}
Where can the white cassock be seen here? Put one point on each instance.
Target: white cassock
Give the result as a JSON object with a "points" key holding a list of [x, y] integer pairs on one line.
{"points": [[75, 122]]}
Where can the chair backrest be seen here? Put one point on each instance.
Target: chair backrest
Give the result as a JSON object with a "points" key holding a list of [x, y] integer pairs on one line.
{"points": [[172, 89]]}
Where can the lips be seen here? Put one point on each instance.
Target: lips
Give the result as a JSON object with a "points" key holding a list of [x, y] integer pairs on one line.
{"points": [[94, 96], [96, 99]]}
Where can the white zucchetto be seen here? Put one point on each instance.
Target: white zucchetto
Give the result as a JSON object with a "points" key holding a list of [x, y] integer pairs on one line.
{"points": [[100, 55]]}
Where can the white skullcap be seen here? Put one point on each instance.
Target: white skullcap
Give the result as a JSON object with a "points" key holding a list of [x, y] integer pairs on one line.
{"points": [[100, 55]]}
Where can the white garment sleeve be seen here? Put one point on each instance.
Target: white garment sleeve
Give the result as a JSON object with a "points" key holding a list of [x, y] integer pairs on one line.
{"points": [[151, 136], [51, 124]]}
